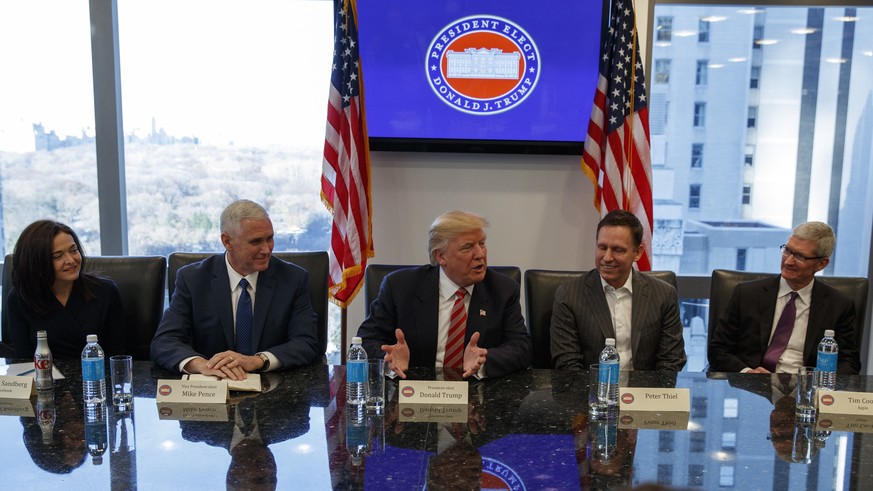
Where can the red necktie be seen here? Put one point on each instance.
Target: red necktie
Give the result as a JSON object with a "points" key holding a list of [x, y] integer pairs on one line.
{"points": [[781, 335], [454, 356]]}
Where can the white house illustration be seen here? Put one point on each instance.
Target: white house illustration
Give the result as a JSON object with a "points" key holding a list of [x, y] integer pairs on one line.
{"points": [[482, 63]]}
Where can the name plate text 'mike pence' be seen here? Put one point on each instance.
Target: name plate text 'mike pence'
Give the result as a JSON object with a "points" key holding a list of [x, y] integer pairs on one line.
{"points": [[433, 392], [190, 391]]}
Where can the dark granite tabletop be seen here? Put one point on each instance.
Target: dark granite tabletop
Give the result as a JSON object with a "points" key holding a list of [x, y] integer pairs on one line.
{"points": [[526, 431]]}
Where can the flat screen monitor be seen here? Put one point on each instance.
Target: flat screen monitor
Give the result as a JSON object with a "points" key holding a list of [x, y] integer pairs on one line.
{"points": [[479, 76]]}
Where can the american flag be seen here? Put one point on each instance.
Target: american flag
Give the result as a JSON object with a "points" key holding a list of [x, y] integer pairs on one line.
{"points": [[616, 155], [345, 180]]}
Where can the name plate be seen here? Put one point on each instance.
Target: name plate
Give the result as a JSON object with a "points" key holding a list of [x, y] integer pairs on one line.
{"points": [[648, 420], [184, 411], [840, 402], [12, 387], [845, 422], [17, 407], [433, 391], [432, 413], [192, 392], [654, 399]]}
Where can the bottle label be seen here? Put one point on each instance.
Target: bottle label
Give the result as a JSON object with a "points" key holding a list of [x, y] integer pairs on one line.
{"points": [[608, 373], [826, 362], [93, 370], [356, 371]]}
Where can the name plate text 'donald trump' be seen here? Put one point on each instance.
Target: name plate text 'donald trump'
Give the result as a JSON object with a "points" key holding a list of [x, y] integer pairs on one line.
{"points": [[190, 391], [433, 392]]}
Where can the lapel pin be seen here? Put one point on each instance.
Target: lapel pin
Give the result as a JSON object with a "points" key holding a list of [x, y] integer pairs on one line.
{"points": [[482, 313]]}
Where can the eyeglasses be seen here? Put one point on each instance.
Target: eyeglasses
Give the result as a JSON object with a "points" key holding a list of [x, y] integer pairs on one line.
{"points": [[797, 256]]}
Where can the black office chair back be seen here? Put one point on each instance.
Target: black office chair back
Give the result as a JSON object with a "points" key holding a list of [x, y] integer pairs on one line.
{"points": [[316, 263], [375, 273], [724, 280], [540, 286], [140, 281]]}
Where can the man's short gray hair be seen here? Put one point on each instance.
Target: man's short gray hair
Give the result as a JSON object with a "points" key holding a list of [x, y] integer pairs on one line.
{"points": [[450, 225], [241, 209], [820, 233]]}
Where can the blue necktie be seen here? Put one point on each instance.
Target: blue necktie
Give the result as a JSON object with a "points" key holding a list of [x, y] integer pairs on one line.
{"points": [[244, 320]]}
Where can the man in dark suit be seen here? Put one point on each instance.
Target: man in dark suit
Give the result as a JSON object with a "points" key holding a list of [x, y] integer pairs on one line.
{"points": [[614, 301], [412, 321], [238, 312], [746, 330]]}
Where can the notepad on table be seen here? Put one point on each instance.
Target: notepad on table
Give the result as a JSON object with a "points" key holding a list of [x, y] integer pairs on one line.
{"points": [[252, 382]]}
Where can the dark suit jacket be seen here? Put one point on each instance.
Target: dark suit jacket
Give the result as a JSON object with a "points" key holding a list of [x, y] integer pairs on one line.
{"points": [[743, 331], [581, 322], [199, 321], [409, 299]]}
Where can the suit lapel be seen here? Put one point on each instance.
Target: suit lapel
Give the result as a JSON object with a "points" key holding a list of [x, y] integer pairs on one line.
{"points": [[426, 314], [766, 311], [817, 306], [221, 296], [263, 297], [599, 308], [477, 314], [639, 304]]}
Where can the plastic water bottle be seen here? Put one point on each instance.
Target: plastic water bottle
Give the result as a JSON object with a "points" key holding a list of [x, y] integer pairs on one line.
{"points": [[607, 390], [93, 379], [356, 374], [357, 435], [42, 362], [95, 436], [826, 362]]}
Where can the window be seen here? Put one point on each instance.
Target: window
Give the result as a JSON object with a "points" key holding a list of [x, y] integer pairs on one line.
{"points": [[694, 196], [699, 114], [757, 37], [731, 407], [665, 474], [698, 407], [665, 29], [754, 77], [728, 440], [752, 120], [665, 441], [747, 194], [697, 155], [662, 71], [703, 31], [48, 154], [696, 474], [726, 476], [741, 259], [749, 160], [697, 443], [700, 77]]}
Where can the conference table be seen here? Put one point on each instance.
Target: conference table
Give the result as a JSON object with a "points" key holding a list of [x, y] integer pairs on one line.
{"points": [[529, 430]]}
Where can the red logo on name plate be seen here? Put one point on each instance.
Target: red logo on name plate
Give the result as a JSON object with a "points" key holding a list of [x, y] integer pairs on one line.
{"points": [[407, 391], [827, 399], [165, 390], [627, 419], [627, 398]]}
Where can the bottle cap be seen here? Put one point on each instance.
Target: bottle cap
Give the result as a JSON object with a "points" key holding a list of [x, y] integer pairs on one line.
{"points": [[356, 340], [92, 338], [829, 333], [610, 341], [41, 334]]}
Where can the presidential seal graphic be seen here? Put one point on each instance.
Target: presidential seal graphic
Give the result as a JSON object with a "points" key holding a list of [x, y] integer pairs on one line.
{"points": [[483, 65], [497, 475]]}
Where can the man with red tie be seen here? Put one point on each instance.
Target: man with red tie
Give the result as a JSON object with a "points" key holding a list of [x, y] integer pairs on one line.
{"points": [[454, 312], [775, 324]]}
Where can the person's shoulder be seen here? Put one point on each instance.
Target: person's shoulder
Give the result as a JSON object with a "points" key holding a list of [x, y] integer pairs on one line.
{"points": [[283, 267], [820, 288], [204, 265], [412, 273]]}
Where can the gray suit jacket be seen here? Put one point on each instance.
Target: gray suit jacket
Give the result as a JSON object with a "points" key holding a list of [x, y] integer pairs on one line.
{"points": [[199, 321], [581, 322]]}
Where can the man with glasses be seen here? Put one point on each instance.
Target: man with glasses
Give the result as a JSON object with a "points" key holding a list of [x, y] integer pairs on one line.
{"points": [[775, 324]]}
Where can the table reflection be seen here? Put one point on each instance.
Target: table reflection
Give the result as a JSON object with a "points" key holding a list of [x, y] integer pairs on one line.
{"points": [[530, 430]]}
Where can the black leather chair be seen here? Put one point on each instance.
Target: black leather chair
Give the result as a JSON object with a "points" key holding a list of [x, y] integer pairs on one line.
{"points": [[140, 281], [316, 263], [723, 282], [539, 291], [376, 272]]}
